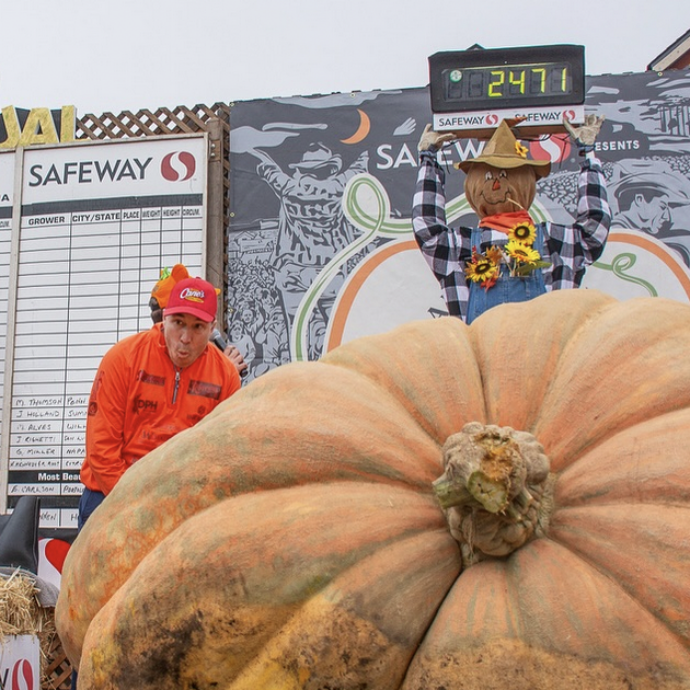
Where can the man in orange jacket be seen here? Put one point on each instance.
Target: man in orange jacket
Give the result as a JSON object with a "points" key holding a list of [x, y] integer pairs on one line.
{"points": [[152, 385]]}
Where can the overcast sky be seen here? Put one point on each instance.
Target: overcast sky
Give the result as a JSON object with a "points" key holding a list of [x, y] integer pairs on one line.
{"points": [[131, 54]]}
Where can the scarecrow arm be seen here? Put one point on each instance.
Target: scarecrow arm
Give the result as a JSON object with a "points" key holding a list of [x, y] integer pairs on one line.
{"points": [[585, 135], [433, 141], [443, 248]]}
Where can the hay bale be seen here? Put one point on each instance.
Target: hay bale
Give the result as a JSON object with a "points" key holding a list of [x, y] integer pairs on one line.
{"points": [[20, 613]]}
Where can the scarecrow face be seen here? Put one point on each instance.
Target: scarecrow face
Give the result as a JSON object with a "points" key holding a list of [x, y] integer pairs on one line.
{"points": [[492, 190], [319, 162]]}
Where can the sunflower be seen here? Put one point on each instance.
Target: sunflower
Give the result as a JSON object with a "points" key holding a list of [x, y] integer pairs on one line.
{"points": [[524, 233], [521, 150], [481, 269], [523, 253]]}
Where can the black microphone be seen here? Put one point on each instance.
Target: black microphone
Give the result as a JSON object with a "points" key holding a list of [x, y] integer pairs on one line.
{"points": [[221, 342]]}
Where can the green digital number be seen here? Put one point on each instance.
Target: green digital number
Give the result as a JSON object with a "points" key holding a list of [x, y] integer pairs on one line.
{"points": [[518, 81], [541, 72], [497, 83]]}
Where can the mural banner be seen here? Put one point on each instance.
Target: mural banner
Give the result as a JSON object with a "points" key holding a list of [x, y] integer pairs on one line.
{"points": [[320, 241]]}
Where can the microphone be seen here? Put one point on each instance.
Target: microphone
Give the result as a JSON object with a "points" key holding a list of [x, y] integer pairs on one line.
{"points": [[219, 340]]}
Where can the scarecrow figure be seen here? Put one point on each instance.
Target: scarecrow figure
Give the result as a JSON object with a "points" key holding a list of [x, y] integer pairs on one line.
{"points": [[508, 258]]}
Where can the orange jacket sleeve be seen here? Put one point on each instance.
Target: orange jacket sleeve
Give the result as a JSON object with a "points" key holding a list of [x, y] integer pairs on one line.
{"points": [[106, 420]]}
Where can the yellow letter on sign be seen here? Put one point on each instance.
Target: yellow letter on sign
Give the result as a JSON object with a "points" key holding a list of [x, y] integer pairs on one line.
{"points": [[39, 128], [68, 123], [9, 116]]}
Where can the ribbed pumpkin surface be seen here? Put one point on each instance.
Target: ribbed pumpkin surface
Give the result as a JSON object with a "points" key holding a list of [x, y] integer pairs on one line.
{"points": [[292, 540]]}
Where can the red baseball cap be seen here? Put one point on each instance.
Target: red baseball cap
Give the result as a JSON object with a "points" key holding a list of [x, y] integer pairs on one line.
{"points": [[194, 296]]}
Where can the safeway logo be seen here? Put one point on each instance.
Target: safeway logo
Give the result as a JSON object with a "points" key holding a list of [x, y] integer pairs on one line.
{"points": [[554, 148], [22, 677], [178, 166]]}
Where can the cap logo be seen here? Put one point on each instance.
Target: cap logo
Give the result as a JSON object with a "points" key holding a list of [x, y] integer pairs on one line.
{"points": [[193, 295]]}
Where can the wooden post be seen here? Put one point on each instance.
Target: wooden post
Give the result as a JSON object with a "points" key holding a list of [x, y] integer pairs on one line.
{"points": [[215, 217]]}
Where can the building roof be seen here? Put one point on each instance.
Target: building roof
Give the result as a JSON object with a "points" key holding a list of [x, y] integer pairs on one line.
{"points": [[676, 56]]}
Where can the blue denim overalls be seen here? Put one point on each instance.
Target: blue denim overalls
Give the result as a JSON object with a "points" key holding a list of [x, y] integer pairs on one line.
{"points": [[507, 288]]}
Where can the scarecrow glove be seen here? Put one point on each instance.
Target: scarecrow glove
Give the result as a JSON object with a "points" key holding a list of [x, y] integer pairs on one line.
{"points": [[585, 135], [433, 141]]}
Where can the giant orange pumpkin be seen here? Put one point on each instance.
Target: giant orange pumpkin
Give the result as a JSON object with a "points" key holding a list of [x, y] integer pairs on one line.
{"points": [[295, 538]]}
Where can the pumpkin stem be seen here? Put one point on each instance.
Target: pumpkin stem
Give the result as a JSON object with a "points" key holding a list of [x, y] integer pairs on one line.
{"points": [[496, 489]]}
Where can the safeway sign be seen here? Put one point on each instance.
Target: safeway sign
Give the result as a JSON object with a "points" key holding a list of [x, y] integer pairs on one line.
{"points": [[536, 120], [20, 663]]}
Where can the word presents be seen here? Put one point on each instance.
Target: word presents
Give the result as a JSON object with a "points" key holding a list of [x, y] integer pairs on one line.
{"points": [[36, 126]]}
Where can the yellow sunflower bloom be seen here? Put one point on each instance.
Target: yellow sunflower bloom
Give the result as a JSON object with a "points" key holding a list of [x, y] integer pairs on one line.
{"points": [[481, 270], [525, 233], [522, 252], [520, 150]]}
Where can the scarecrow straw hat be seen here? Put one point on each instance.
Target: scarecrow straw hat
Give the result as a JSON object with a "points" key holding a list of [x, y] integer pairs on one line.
{"points": [[503, 150]]}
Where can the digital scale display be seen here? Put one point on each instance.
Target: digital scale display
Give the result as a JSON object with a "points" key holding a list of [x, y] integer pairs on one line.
{"points": [[532, 87], [506, 77], [493, 85]]}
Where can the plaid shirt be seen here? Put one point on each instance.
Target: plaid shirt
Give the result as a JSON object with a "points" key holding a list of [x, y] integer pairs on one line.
{"points": [[569, 248]]}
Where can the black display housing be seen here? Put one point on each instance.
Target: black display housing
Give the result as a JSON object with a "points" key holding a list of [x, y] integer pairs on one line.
{"points": [[498, 78]]}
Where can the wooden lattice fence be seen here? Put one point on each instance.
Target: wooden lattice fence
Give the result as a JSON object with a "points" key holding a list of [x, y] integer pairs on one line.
{"points": [[146, 123], [56, 668]]}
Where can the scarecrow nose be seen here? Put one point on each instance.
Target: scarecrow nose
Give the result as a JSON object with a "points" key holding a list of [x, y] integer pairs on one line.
{"points": [[496, 185]]}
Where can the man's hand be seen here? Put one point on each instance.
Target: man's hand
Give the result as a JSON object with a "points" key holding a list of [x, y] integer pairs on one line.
{"points": [[432, 140], [235, 356], [585, 135]]}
